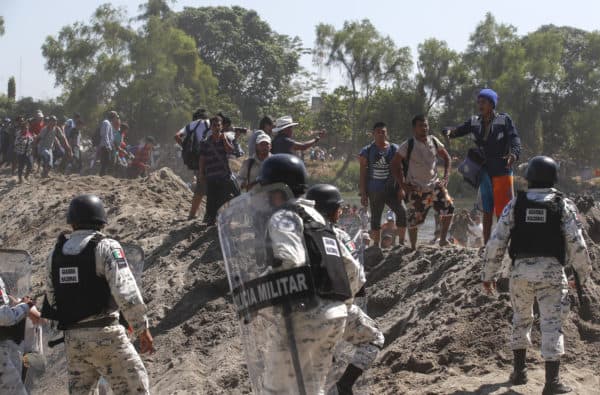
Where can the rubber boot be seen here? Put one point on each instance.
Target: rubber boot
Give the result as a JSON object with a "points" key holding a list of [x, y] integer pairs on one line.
{"points": [[553, 384], [519, 374], [346, 382]]}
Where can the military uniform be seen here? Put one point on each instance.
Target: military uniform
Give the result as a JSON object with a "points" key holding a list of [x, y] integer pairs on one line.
{"points": [[10, 351], [540, 277], [361, 330], [316, 330], [98, 345]]}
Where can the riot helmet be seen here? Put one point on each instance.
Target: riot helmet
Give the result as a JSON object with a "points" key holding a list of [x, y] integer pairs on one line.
{"points": [[327, 198], [284, 168], [86, 210], [542, 172]]}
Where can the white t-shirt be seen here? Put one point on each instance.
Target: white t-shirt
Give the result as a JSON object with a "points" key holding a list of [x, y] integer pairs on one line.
{"points": [[201, 131], [422, 171]]}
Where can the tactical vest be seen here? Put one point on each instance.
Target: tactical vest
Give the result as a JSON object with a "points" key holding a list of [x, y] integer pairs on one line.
{"points": [[14, 332], [538, 229], [79, 293], [324, 254]]}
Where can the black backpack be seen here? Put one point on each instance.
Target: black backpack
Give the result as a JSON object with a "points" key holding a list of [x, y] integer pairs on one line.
{"points": [[190, 147]]}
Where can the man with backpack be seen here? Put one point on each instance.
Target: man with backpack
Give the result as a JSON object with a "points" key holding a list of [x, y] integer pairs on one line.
{"points": [[189, 138], [377, 184], [415, 168]]}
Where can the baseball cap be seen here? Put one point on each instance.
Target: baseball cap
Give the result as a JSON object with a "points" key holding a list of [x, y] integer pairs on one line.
{"points": [[262, 138]]}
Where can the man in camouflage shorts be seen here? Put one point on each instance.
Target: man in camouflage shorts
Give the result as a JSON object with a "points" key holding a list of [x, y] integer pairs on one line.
{"points": [[415, 169]]}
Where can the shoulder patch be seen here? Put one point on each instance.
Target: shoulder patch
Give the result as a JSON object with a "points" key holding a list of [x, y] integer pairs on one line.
{"points": [[119, 256], [285, 221], [500, 119]]}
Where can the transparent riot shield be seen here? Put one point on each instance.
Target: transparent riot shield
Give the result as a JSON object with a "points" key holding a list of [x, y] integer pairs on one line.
{"points": [[15, 271], [135, 259], [269, 296]]}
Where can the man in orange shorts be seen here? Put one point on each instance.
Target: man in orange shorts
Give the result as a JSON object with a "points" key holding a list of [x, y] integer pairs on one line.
{"points": [[499, 142]]}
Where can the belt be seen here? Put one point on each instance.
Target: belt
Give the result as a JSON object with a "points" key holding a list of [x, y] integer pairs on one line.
{"points": [[99, 323]]}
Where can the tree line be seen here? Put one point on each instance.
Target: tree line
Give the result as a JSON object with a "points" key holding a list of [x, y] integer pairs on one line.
{"points": [[157, 66]]}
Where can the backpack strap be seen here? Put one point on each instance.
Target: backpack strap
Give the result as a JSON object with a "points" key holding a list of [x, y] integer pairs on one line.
{"points": [[409, 150]]}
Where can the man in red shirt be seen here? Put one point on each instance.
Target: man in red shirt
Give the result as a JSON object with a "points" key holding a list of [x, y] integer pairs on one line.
{"points": [[141, 162]]}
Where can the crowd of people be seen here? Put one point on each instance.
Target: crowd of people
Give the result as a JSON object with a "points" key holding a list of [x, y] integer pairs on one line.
{"points": [[311, 282], [44, 144]]}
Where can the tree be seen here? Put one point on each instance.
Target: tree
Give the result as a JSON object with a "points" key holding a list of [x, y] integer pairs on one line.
{"points": [[368, 61], [254, 64], [12, 89], [168, 79], [1, 25], [90, 62], [437, 65], [153, 76]]}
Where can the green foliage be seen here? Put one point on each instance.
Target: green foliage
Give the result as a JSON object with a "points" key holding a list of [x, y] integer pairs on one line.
{"points": [[254, 64], [368, 60], [152, 76], [1, 25], [12, 89], [27, 106]]}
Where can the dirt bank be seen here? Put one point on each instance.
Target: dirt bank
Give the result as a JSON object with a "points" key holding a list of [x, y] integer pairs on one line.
{"points": [[442, 334]]}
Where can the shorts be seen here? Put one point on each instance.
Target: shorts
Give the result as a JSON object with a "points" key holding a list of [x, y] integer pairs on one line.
{"points": [[377, 201], [419, 204], [200, 188], [496, 192]]}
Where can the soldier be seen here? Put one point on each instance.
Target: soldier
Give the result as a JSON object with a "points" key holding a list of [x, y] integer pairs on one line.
{"points": [[361, 331], [545, 235], [12, 333], [318, 328], [88, 282]]}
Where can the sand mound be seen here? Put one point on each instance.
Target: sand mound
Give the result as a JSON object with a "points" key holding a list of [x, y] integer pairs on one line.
{"points": [[443, 335]]}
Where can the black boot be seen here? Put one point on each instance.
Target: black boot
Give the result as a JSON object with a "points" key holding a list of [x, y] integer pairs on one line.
{"points": [[519, 374], [345, 383], [553, 384]]}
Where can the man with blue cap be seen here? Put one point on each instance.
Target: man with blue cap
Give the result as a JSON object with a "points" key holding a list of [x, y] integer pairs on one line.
{"points": [[499, 146]]}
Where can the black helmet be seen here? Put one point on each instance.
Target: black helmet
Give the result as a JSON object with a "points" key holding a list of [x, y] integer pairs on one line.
{"points": [[542, 171], [327, 197], [285, 168], [86, 210]]}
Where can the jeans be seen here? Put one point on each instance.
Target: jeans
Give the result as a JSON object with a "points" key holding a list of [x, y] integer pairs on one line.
{"points": [[24, 161]]}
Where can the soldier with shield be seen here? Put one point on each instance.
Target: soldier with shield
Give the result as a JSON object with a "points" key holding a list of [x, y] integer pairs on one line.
{"points": [[88, 282], [361, 330], [13, 314], [291, 304]]}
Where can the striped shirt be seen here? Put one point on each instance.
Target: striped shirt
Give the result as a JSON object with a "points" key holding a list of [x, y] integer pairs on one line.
{"points": [[216, 165]]}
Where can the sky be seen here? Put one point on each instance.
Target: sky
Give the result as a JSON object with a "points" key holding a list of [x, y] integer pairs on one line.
{"points": [[408, 23]]}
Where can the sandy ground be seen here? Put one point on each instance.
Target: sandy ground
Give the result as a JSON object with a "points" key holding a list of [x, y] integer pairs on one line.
{"points": [[443, 335]]}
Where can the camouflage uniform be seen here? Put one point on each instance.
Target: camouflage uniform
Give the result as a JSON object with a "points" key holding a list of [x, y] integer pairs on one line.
{"points": [[107, 351], [316, 330], [361, 330], [10, 352], [542, 278]]}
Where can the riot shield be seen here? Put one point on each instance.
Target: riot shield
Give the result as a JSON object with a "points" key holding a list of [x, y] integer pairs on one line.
{"points": [[135, 259], [267, 295], [359, 236], [15, 271]]}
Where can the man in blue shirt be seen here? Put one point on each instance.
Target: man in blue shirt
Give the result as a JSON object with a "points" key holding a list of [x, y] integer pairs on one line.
{"points": [[498, 141], [376, 183]]}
